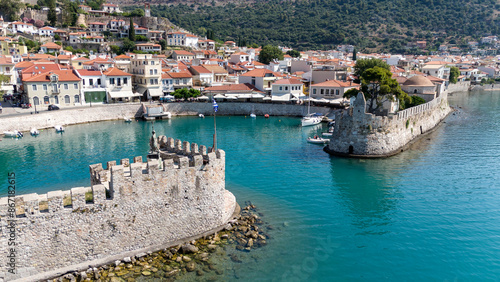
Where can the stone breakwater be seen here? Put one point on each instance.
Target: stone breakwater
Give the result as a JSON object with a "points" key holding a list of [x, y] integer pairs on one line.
{"points": [[130, 208], [204, 258], [46, 119], [364, 135]]}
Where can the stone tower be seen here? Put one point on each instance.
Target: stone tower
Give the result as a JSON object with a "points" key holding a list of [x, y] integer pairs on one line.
{"points": [[147, 10]]}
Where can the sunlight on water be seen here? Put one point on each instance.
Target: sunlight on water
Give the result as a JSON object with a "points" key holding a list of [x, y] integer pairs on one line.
{"points": [[430, 213]]}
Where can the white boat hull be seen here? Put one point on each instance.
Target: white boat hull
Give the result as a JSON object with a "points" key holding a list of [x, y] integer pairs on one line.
{"points": [[34, 132], [13, 133], [318, 140], [309, 121], [253, 115], [59, 128]]}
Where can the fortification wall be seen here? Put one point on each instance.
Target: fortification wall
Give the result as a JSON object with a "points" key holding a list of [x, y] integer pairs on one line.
{"points": [[460, 86], [134, 206], [360, 134]]}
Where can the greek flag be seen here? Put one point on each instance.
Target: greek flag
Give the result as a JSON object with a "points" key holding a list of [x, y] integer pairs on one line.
{"points": [[216, 107]]}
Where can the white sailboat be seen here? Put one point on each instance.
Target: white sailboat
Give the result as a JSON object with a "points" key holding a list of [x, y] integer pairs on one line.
{"points": [[310, 119]]}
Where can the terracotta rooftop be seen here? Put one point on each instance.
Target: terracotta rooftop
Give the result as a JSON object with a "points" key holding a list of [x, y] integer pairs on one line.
{"points": [[336, 83], [288, 81], [64, 75], [262, 73], [115, 72]]}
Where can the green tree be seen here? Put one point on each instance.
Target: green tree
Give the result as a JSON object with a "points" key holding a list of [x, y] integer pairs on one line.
{"points": [[378, 87], [293, 53], [194, 93], [115, 49], [270, 53], [137, 13], [354, 54], [454, 74], [52, 16], [3, 79], [10, 8], [181, 93], [131, 31], [163, 44], [364, 64], [128, 45]]}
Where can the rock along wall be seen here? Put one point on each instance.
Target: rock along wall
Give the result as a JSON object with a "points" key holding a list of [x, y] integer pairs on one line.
{"points": [[360, 134], [134, 207]]}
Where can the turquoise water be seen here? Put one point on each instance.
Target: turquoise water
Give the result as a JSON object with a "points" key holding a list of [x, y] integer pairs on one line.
{"points": [[430, 213]]}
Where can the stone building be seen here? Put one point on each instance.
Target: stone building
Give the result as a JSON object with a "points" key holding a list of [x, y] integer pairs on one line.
{"points": [[421, 86]]}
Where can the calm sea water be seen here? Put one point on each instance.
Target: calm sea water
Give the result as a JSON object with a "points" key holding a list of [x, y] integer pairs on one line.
{"points": [[428, 214]]}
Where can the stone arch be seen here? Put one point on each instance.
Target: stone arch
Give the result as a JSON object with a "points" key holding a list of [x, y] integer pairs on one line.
{"points": [[351, 149]]}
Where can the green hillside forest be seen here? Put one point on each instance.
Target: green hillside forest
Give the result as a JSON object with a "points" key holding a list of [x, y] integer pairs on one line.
{"points": [[371, 25]]}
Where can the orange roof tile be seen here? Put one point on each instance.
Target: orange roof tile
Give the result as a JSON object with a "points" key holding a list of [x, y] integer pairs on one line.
{"points": [[288, 81], [64, 75], [261, 73], [115, 72], [336, 83]]}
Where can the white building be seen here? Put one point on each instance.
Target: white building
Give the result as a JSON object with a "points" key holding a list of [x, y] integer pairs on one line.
{"points": [[285, 90], [182, 39]]}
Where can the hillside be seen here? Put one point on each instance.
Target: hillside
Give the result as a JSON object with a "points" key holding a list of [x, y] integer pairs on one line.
{"points": [[371, 25]]}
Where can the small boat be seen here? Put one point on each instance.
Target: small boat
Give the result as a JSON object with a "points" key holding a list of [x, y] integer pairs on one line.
{"points": [[317, 140], [126, 119], [310, 120], [167, 115], [13, 133], [252, 115], [201, 115], [59, 128], [266, 116], [327, 134], [34, 132]]}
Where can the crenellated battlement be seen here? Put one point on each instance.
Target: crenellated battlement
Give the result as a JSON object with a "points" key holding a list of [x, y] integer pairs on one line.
{"points": [[128, 206]]}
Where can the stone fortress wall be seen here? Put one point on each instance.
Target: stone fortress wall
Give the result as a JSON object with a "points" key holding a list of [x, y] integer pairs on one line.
{"points": [[129, 208], [361, 134]]}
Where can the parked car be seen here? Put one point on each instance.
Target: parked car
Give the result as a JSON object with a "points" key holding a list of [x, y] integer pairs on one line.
{"points": [[53, 107]]}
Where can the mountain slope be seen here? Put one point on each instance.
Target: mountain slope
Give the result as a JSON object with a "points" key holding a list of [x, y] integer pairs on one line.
{"points": [[372, 24]]}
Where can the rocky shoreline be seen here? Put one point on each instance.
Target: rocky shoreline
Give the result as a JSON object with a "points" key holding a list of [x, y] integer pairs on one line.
{"points": [[199, 258]]}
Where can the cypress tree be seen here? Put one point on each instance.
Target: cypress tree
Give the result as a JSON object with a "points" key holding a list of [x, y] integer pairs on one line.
{"points": [[354, 54], [131, 31]]}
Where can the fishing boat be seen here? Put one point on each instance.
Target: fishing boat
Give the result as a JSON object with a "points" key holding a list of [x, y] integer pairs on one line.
{"points": [[201, 115], [317, 140], [252, 115], [59, 128], [126, 119], [13, 133], [34, 132]]}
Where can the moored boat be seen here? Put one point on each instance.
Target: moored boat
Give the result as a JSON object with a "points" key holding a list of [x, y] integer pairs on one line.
{"points": [[317, 140], [59, 128], [252, 115], [34, 132], [126, 119], [310, 120], [13, 133], [201, 115]]}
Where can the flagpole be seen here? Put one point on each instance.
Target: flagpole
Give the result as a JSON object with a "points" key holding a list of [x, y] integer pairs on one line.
{"points": [[214, 148]]}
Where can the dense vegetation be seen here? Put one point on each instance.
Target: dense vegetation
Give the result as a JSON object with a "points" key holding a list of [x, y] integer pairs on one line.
{"points": [[368, 24]]}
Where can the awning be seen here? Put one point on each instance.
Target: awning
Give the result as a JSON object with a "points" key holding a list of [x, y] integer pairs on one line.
{"points": [[282, 98], [155, 92], [219, 96], [122, 94], [203, 98], [231, 97]]}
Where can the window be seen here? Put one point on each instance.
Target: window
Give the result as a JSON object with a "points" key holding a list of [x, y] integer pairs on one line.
{"points": [[83, 81], [314, 91], [322, 91], [66, 99], [281, 88], [75, 86], [44, 87], [91, 81], [36, 101], [176, 81], [119, 81], [34, 87], [156, 71], [46, 100], [55, 88], [151, 72], [56, 99], [286, 88], [156, 80], [327, 92], [337, 92], [98, 81], [152, 63], [185, 81], [77, 98], [151, 81], [112, 81], [125, 81], [66, 87]]}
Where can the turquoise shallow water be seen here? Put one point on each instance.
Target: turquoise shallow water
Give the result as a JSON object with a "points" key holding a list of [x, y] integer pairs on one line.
{"points": [[430, 213]]}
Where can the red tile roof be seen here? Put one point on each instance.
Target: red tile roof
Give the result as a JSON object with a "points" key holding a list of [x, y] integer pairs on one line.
{"points": [[182, 74], [64, 75], [336, 83], [115, 72], [234, 88], [89, 72], [199, 69], [288, 81], [261, 73]]}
